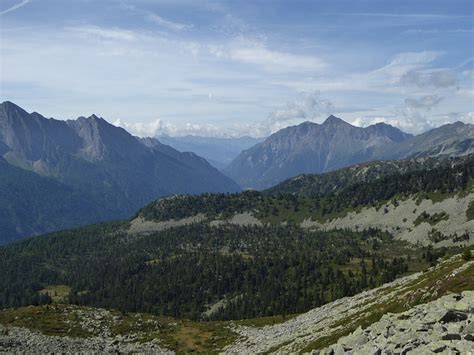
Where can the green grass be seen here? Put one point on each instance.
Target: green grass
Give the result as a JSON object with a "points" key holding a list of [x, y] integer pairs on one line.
{"points": [[470, 211], [49, 320], [58, 293], [180, 335], [431, 219], [263, 321]]}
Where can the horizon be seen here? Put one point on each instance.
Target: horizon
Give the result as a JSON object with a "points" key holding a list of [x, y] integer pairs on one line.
{"points": [[221, 69], [166, 134]]}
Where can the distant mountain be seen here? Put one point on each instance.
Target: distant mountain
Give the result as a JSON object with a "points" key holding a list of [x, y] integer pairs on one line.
{"points": [[450, 140], [219, 152], [111, 170], [333, 182], [310, 148]]}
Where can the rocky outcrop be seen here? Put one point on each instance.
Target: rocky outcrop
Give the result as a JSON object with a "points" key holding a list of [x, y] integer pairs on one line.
{"points": [[442, 326]]}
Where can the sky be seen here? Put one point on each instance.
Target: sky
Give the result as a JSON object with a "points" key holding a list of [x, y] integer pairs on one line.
{"points": [[236, 68]]}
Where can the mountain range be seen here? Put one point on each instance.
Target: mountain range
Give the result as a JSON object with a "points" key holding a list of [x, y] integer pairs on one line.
{"points": [[59, 174], [219, 152], [317, 148], [86, 170]]}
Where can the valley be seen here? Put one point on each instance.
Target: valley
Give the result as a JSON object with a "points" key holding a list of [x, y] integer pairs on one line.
{"points": [[237, 177], [224, 267]]}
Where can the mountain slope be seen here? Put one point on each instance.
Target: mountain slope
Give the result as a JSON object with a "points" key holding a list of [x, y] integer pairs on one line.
{"points": [[313, 148], [116, 171], [219, 152], [324, 326], [309, 148], [431, 303], [427, 202], [334, 181], [450, 140], [33, 204]]}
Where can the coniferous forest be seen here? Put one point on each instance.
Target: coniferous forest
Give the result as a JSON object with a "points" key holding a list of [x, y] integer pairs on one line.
{"points": [[243, 271]]}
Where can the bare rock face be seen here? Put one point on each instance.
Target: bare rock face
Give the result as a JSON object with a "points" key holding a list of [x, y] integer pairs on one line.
{"points": [[442, 326]]}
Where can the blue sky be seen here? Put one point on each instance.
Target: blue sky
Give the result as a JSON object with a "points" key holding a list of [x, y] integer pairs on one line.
{"points": [[221, 68]]}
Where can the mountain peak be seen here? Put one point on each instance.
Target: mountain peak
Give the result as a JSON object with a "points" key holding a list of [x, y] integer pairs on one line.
{"points": [[334, 121], [10, 106]]}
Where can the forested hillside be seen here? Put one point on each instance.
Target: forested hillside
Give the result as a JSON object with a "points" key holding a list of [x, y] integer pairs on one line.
{"points": [[323, 196], [31, 204], [202, 272]]}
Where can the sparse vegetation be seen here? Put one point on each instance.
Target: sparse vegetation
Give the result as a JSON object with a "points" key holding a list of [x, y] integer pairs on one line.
{"points": [[467, 255], [470, 211], [431, 219]]}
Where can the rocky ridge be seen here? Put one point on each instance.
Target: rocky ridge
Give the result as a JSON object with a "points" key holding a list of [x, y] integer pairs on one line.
{"points": [[445, 325]]}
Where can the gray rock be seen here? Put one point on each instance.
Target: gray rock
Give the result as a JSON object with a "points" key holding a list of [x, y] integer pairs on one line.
{"points": [[451, 336], [453, 316]]}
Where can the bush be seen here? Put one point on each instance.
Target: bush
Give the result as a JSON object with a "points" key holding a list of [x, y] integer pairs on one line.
{"points": [[467, 255]]}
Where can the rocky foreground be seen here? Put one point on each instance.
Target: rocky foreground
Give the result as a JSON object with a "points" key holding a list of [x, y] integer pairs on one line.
{"points": [[95, 334], [324, 326], [442, 326], [22, 340]]}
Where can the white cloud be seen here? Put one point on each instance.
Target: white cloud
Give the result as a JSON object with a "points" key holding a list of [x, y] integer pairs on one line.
{"points": [[140, 129], [254, 52], [104, 33], [170, 25], [424, 102], [309, 105], [442, 78], [467, 117], [404, 118], [274, 60], [438, 31], [15, 7], [195, 129], [391, 120], [385, 79]]}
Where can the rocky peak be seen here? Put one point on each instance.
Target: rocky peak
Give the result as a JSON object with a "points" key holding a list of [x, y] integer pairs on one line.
{"points": [[335, 121]]}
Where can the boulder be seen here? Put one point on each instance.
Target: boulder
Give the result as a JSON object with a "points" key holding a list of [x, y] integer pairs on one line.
{"points": [[437, 346], [451, 336], [469, 329], [453, 316]]}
